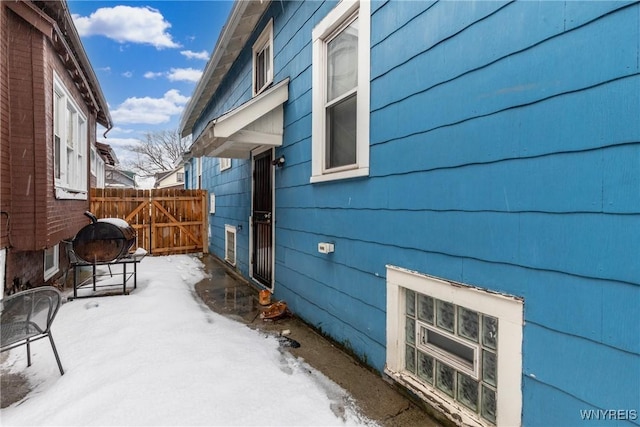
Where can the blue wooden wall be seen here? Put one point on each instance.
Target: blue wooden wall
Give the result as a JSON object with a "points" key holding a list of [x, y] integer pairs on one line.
{"points": [[505, 153]]}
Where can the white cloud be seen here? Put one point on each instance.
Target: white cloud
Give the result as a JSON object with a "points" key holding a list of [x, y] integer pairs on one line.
{"points": [[119, 144], [119, 130], [152, 75], [123, 24], [127, 74], [195, 55], [150, 110], [177, 75], [184, 74]]}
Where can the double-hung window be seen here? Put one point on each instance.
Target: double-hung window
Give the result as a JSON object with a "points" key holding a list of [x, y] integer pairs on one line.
{"points": [[263, 60], [340, 116], [70, 145]]}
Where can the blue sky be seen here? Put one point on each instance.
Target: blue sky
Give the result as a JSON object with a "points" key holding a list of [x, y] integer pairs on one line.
{"points": [[148, 57]]}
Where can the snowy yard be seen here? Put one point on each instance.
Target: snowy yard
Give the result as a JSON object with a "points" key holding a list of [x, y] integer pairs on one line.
{"points": [[160, 357]]}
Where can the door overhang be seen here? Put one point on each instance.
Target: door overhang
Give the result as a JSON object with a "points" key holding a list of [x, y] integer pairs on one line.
{"points": [[257, 123]]}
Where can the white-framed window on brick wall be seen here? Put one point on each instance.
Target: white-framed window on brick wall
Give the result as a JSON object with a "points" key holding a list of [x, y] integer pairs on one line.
{"points": [[51, 261], [456, 345], [70, 145]]}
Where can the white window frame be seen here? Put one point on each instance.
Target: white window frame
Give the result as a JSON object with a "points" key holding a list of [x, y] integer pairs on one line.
{"points": [[433, 351], [212, 205], [100, 172], [263, 42], [225, 163], [507, 309], [71, 129], [322, 33], [51, 270], [198, 184], [94, 156], [230, 229]]}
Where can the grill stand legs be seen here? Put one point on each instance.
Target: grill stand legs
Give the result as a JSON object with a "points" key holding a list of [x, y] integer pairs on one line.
{"points": [[95, 275]]}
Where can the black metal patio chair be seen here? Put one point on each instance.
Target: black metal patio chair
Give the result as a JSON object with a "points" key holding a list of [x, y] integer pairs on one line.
{"points": [[26, 317]]}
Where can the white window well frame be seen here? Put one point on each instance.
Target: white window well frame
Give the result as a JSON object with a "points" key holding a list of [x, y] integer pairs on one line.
{"points": [[264, 42], [51, 270], [332, 24], [508, 310], [70, 136]]}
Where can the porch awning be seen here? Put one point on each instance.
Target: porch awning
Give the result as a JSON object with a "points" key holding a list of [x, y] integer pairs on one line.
{"points": [[257, 123]]}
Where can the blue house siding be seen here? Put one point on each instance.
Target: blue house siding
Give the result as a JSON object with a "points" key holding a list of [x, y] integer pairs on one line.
{"points": [[504, 154]]}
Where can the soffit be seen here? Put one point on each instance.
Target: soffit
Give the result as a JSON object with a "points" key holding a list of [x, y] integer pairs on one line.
{"points": [[258, 122], [242, 20]]}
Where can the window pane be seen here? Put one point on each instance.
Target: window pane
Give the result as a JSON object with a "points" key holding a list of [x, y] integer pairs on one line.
{"points": [[410, 330], [49, 258], [425, 367], [489, 367], [341, 133], [488, 409], [260, 71], [442, 341], [410, 302], [71, 118], [342, 62], [489, 331], [445, 377], [445, 315], [468, 324], [410, 359], [468, 392], [71, 173], [425, 308], [267, 62], [56, 154]]}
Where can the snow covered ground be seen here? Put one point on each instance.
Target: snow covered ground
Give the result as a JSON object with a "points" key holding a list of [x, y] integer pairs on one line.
{"points": [[159, 357]]}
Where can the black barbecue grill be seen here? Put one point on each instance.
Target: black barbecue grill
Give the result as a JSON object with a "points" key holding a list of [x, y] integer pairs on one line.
{"points": [[104, 242]]}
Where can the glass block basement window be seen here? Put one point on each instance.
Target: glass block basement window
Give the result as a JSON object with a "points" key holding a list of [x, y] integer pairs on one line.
{"points": [[453, 350]]}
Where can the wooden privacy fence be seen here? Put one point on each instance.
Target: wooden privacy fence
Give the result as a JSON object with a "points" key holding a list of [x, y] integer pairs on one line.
{"points": [[167, 221]]}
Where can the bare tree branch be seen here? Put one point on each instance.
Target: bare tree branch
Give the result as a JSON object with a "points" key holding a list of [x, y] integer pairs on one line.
{"points": [[159, 151]]}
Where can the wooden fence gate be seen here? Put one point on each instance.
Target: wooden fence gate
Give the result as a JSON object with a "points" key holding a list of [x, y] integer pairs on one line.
{"points": [[167, 221]]}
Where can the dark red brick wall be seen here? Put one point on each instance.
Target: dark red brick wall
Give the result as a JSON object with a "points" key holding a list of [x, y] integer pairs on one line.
{"points": [[25, 269], [27, 188], [21, 128], [5, 160]]}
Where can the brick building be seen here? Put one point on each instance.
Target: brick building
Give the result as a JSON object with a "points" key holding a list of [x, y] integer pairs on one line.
{"points": [[50, 104]]}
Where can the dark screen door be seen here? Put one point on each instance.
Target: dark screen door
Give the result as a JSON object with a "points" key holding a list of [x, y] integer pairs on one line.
{"points": [[262, 218]]}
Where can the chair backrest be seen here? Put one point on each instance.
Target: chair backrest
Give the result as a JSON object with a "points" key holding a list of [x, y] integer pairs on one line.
{"points": [[34, 308]]}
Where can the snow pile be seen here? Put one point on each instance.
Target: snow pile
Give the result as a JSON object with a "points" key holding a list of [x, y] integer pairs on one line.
{"points": [[160, 357]]}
